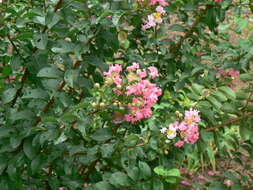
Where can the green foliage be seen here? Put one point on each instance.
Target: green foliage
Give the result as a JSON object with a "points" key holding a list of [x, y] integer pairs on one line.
{"points": [[53, 52]]}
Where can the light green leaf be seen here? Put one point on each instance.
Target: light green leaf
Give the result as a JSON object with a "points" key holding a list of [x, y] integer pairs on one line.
{"points": [[8, 95], [119, 179], [145, 171], [49, 72], [228, 92], [102, 134]]}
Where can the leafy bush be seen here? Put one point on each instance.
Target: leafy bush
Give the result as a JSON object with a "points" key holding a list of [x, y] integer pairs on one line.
{"points": [[67, 122]]}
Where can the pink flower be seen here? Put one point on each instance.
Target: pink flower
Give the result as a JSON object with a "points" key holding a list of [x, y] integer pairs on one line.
{"points": [[133, 67], [192, 116], [117, 91], [183, 171], [218, 1], [61, 188], [233, 73], [142, 74], [182, 126], [153, 72], [228, 183], [150, 22], [161, 2], [160, 9], [191, 134], [109, 17], [179, 144], [199, 54], [186, 183]]}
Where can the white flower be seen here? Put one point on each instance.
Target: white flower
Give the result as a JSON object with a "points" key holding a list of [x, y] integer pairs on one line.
{"points": [[163, 130], [171, 132]]}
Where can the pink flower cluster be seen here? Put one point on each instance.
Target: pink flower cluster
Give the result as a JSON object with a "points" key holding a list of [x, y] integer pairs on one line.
{"points": [[218, 1], [114, 74], [188, 128], [229, 74], [160, 2], [142, 93], [154, 18]]}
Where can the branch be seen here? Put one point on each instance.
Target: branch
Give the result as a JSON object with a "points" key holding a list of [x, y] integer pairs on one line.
{"points": [[23, 78], [189, 32], [52, 100], [229, 122]]}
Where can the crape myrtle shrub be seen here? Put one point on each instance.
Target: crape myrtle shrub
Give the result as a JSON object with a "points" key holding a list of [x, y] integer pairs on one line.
{"points": [[119, 94]]}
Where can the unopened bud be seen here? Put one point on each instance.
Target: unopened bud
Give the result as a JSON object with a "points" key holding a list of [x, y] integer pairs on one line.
{"points": [[96, 85], [94, 104], [102, 104], [167, 141], [121, 108], [178, 114], [109, 81], [114, 104], [119, 86], [166, 152]]}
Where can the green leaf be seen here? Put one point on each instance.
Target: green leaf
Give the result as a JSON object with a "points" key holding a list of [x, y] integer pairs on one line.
{"points": [[37, 164], [119, 179], [103, 186], [229, 108], [71, 77], [107, 150], [8, 95], [52, 19], [198, 89], [49, 72], [246, 77], [214, 101], [3, 163], [35, 93], [29, 150], [165, 173], [133, 173], [40, 41], [158, 185], [96, 61], [145, 171], [102, 134], [177, 27], [116, 17], [220, 96], [228, 92]]}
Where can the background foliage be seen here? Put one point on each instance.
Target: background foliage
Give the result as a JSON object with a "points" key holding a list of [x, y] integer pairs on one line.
{"points": [[53, 52]]}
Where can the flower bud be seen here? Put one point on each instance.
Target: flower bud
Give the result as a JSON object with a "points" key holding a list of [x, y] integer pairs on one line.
{"points": [[119, 86], [114, 104], [102, 104], [166, 152], [93, 104], [167, 141], [97, 85]]}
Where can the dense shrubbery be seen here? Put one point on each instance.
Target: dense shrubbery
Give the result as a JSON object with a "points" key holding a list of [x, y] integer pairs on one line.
{"points": [[108, 95]]}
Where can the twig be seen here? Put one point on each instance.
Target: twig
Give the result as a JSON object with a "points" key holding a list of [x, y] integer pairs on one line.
{"points": [[229, 122], [52, 100], [189, 32]]}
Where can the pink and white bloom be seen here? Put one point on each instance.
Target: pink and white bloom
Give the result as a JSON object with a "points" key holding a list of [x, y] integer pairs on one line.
{"points": [[133, 67], [153, 72], [179, 144], [160, 10], [192, 116]]}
